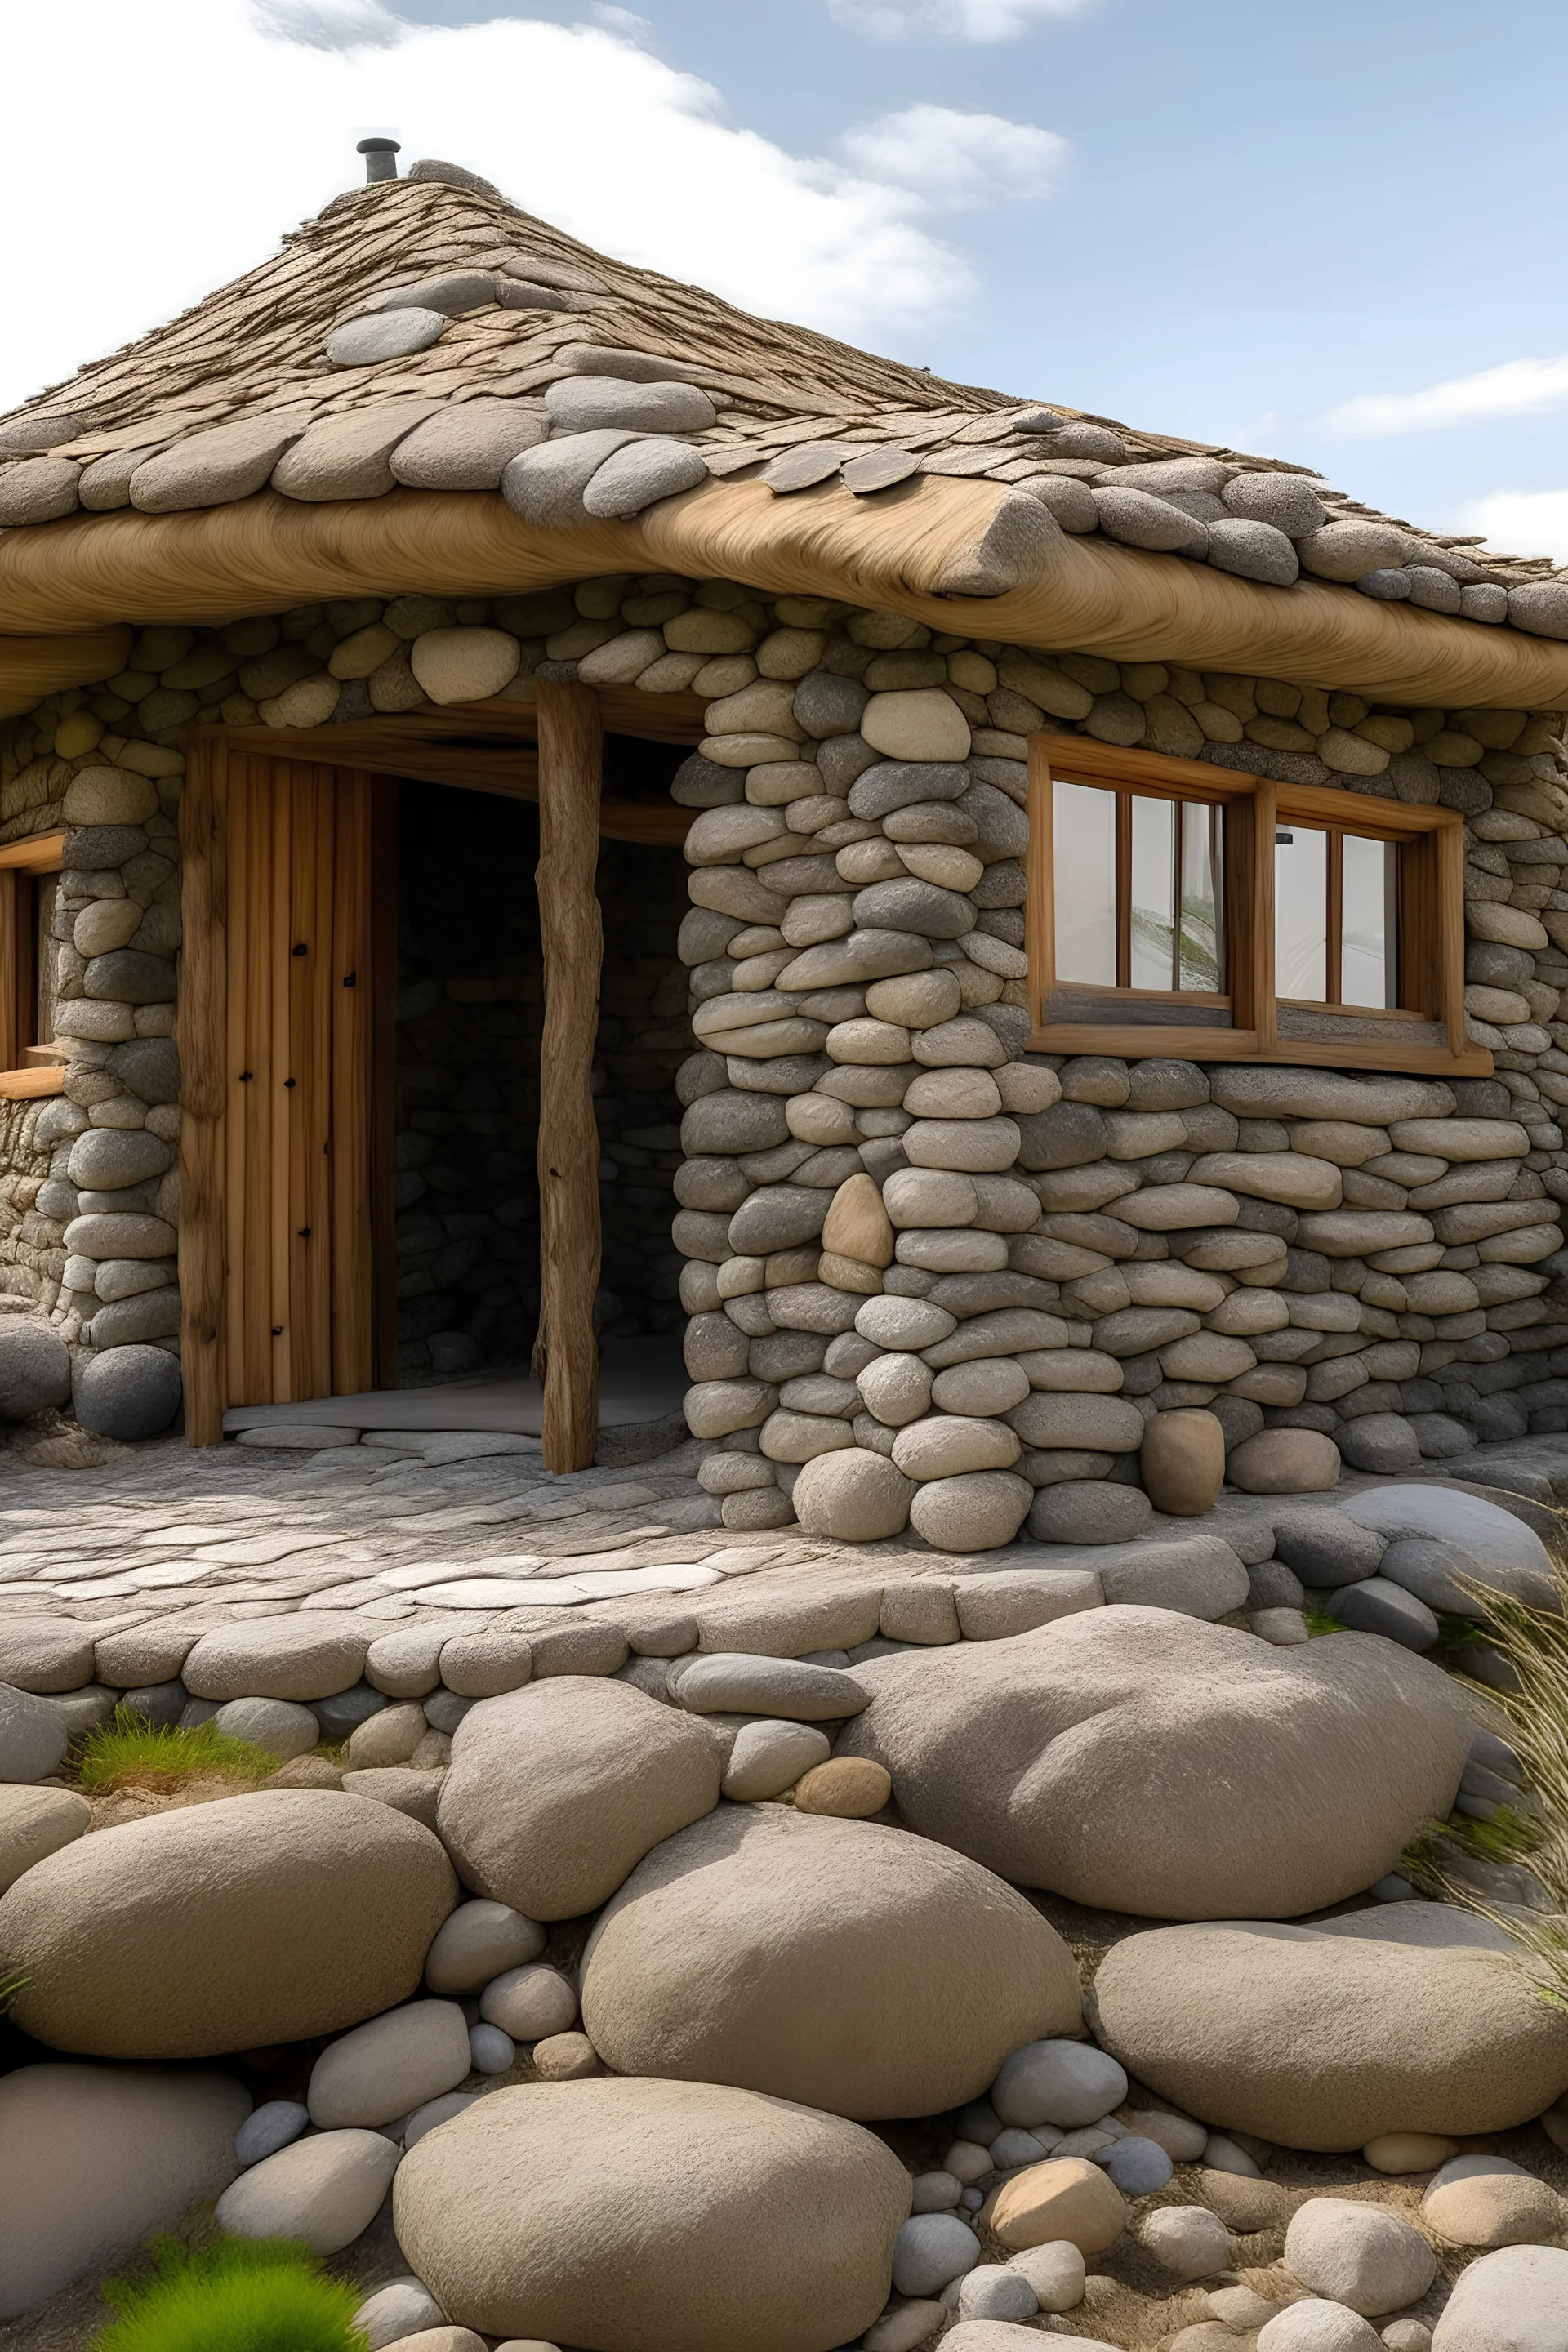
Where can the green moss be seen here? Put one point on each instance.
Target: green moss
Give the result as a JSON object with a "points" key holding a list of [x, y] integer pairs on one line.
{"points": [[131, 1752], [1319, 1621], [244, 2294]]}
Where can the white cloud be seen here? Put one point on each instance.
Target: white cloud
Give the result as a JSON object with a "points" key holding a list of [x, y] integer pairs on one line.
{"points": [[956, 160], [952, 20], [329, 24], [1522, 522], [193, 151], [626, 22], [1517, 388]]}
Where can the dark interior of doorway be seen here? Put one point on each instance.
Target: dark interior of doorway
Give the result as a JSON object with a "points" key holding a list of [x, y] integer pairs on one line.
{"points": [[469, 1010]]}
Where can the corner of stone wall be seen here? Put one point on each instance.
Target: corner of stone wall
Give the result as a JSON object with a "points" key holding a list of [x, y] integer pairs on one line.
{"points": [[89, 1175]]}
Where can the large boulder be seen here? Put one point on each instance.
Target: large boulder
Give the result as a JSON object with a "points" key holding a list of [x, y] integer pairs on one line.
{"points": [[557, 1791], [34, 1736], [1500, 1550], [93, 2158], [263, 1918], [1510, 2302], [847, 1966], [1405, 2017], [34, 1822], [1140, 1761], [127, 1392], [35, 1368], [653, 2216]]}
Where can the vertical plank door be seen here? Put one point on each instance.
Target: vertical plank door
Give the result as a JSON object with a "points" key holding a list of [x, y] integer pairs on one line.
{"points": [[285, 1202]]}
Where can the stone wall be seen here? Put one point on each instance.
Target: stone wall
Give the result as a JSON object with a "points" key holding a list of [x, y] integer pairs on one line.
{"points": [[1377, 1260], [87, 1178]]}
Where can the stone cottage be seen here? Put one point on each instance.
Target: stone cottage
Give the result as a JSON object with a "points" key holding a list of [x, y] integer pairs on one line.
{"points": [[1039, 925]]}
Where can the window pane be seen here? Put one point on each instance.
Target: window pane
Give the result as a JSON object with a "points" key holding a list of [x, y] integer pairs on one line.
{"points": [[1301, 912], [1200, 964], [1154, 893], [1366, 956], [1085, 846]]}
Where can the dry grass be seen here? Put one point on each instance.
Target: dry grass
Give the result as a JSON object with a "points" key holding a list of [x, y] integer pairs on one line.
{"points": [[1534, 1832], [131, 1754]]}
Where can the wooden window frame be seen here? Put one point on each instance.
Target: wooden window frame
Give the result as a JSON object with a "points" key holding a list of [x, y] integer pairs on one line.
{"points": [[26, 1068], [1431, 922]]}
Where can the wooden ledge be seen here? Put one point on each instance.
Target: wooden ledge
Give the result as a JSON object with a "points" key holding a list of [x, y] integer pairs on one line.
{"points": [[22, 1085]]}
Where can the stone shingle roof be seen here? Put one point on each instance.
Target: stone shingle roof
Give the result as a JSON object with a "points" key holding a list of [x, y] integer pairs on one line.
{"points": [[425, 331]]}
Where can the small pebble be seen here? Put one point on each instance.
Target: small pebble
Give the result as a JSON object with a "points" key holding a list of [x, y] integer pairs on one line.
{"points": [[996, 2292], [930, 2251], [492, 2051], [934, 2192], [1139, 2166], [274, 2124], [1055, 2271], [565, 2058]]}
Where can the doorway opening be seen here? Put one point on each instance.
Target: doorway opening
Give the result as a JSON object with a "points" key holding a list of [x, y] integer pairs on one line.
{"points": [[469, 1010]]}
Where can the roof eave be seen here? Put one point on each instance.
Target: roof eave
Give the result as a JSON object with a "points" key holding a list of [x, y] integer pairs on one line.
{"points": [[971, 558]]}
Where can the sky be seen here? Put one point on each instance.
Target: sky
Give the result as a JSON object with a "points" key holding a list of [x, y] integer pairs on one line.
{"points": [[1326, 230]]}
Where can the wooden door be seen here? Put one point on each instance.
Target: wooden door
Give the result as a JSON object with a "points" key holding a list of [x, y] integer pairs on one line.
{"points": [[286, 1147]]}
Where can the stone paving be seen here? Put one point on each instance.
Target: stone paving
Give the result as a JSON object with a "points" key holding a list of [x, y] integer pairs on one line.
{"points": [[467, 1535]]}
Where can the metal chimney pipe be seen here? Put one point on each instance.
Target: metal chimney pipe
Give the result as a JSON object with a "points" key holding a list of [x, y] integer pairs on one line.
{"points": [[378, 159]]}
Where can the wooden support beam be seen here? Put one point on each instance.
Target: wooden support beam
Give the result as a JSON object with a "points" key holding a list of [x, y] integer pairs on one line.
{"points": [[566, 1356], [201, 1029], [16, 922]]}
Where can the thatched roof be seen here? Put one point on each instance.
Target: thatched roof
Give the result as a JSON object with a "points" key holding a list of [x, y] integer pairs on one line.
{"points": [[268, 392]]}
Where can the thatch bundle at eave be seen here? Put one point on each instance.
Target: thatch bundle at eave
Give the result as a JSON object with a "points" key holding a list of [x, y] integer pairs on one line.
{"points": [[68, 580]]}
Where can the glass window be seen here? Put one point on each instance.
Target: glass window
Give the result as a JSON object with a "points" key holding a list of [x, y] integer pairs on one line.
{"points": [[1085, 845], [1367, 924], [1201, 965], [1152, 956], [1301, 912], [1137, 891], [1280, 919]]}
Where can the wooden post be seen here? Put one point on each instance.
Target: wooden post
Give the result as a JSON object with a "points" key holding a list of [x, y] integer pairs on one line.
{"points": [[571, 774], [201, 1032], [13, 927]]}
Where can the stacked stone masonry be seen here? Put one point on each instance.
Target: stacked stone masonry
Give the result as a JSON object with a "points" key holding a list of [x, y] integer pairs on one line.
{"points": [[972, 1273]]}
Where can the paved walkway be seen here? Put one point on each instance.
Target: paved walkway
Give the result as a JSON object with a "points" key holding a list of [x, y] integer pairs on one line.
{"points": [[467, 1533]]}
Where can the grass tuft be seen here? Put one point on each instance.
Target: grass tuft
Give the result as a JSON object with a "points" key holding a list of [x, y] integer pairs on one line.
{"points": [[1534, 1833], [1319, 1621], [132, 1753], [242, 2294]]}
